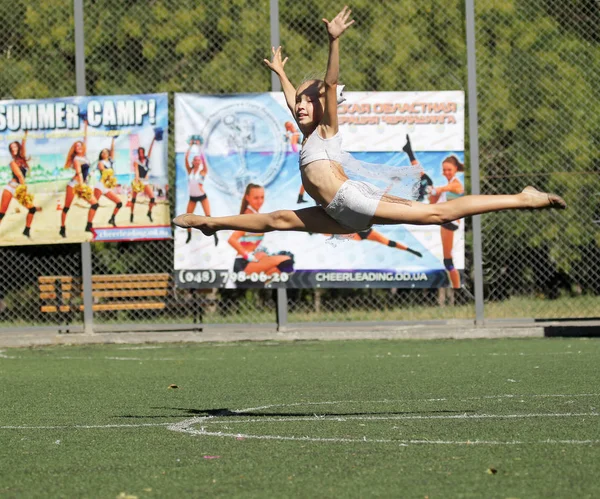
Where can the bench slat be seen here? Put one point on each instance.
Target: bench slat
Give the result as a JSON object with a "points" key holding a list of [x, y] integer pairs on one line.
{"points": [[130, 294], [126, 306], [51, 279], [53, 296], [52, 287], [52, 308], [129, 285], [131, 277]]}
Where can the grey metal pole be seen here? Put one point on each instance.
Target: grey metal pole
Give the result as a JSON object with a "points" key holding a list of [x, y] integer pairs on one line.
{"points": [[86, 249], [274, 15], [282, 303], [474, 160], [282, 309]]}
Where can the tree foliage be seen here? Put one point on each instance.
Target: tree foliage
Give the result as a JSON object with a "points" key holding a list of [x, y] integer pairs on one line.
{"points": [[538, 80]]}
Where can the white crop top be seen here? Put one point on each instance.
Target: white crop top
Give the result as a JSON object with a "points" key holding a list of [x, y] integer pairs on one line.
{"points": [[317, 148]]}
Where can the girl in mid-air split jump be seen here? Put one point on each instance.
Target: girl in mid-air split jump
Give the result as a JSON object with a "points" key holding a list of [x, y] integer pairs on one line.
{"points": [[348, 206]]}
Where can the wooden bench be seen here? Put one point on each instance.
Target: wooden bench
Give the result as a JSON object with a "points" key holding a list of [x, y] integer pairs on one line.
{"points": [[110, 292], [56, 293]]}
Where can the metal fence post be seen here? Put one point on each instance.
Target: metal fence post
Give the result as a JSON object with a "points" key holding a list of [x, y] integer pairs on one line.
{"points": [[474, 159], [282, 309], [282, 302], [86, 250], [274, 19]]}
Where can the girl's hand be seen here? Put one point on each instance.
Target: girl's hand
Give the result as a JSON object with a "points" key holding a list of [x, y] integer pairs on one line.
{"points": [[276, 64], [339, 24]]}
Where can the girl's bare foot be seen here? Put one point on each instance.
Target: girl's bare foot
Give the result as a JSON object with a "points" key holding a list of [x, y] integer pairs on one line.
{"points": [[195, 222], [537, 199]]}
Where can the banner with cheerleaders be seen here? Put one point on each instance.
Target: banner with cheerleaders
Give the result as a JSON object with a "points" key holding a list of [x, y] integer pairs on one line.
{"points": [[80, 169], [239, 154]]}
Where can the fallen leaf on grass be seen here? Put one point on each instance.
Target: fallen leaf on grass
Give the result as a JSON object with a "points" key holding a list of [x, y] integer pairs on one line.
{"points": [[173, 386], [211, 457], [492, 471], [124, 495]]}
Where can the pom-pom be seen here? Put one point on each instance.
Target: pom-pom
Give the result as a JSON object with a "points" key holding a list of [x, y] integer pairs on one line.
{"points": [[83, 191], [339, 91], [196, 139], [108, 178], [114, 129], [23, 197], [158, 134], [137, 186]]}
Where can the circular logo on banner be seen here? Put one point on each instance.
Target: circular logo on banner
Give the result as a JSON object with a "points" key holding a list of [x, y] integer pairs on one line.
{"points": [[243, 144]]}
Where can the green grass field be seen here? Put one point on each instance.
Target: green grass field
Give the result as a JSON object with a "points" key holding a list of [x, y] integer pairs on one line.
{"points": [[436, 419]]}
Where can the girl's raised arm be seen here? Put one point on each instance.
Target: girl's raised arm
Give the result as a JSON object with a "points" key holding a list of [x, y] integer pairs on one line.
{"points": [[188, 167], [276, 65], [151, 146], [335, 28], [112, 149], [204, 164], [85, 127], [23, 153]]}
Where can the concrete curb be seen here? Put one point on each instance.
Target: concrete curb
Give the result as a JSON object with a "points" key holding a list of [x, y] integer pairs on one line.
{"points": [[20, 339]]}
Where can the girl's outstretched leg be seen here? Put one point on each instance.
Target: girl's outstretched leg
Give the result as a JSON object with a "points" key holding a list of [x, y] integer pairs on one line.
{"points": [[312, 219], [393, 210]]}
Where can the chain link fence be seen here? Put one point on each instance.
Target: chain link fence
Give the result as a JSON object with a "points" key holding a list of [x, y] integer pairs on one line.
{"points": [[538, 70], [538, 83]]}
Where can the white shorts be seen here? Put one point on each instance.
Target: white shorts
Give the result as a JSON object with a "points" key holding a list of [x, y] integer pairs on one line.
{"points": [[196, 190], [101, 187], [354, 204], [12, 187]]}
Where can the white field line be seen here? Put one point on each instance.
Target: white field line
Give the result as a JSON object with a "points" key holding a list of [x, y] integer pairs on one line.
{"points": [[173, 359], [84, 427], [147, 347], [186, 427], [399, 417], [215, 420], [440, 399], [69, 357]]}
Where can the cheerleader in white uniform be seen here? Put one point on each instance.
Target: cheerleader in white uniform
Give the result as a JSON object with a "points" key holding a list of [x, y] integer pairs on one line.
{"points": [[77, 160], [452, 190], [106, 161], [197, 172], [20, 167], [141, 167]]}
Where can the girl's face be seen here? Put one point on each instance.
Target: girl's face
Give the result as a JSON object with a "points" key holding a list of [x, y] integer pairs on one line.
{"points": [[141, 153], [14, 149], [78, 148], [196, 162], [448, 170], [256, 197], [104, 154], [310, 103]]}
